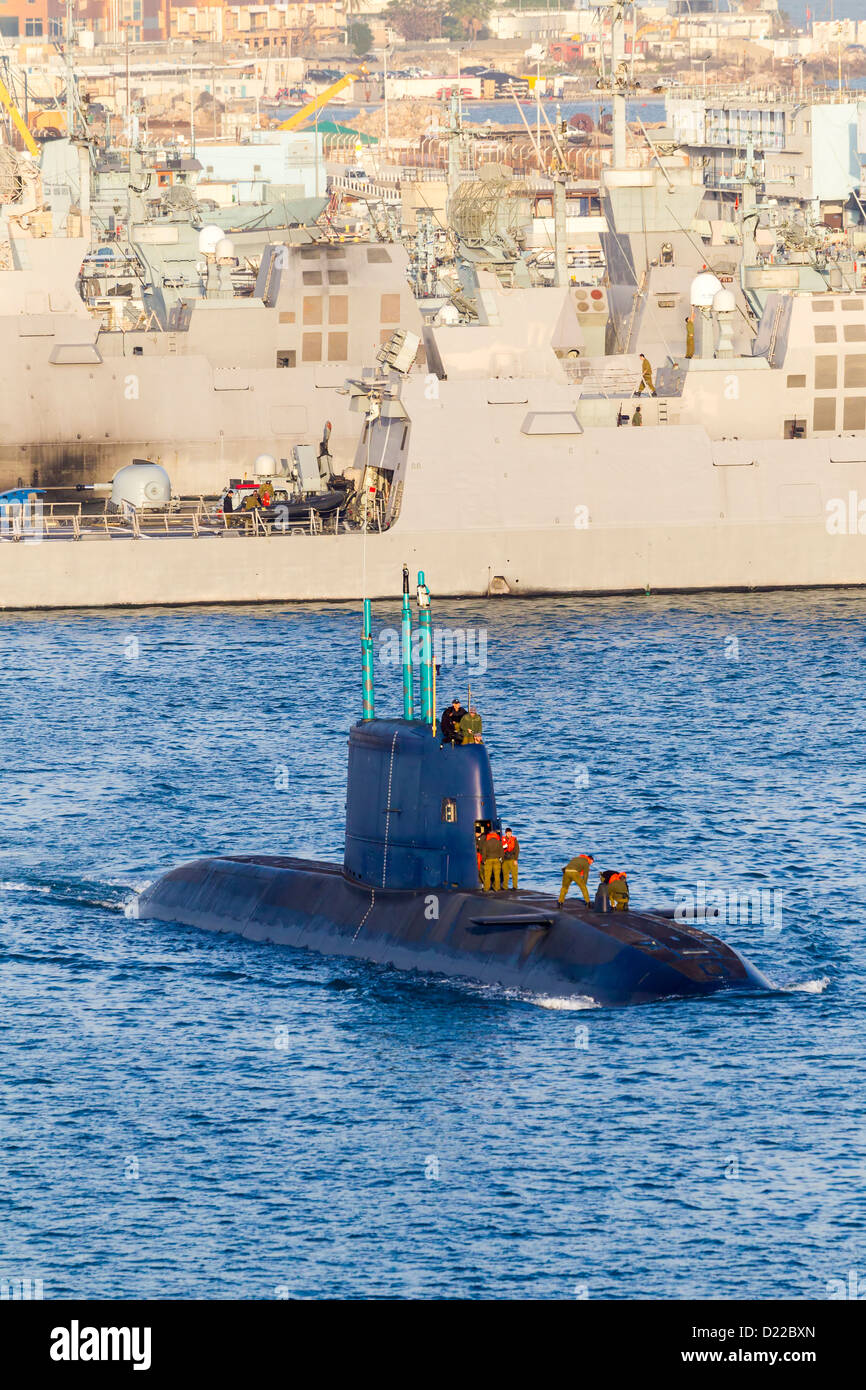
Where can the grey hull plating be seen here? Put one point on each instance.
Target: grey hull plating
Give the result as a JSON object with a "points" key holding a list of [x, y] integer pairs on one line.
{"points": [[517, 939]]}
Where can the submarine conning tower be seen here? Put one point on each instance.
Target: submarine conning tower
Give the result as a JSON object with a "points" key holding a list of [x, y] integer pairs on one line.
{"points": [[412, 803]]}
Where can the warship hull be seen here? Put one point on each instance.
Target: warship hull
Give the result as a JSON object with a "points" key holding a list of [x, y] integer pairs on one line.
{"points": [[518, 940]]}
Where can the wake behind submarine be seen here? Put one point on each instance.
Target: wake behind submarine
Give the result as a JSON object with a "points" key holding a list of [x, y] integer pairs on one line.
{"points": [[407, 893]]}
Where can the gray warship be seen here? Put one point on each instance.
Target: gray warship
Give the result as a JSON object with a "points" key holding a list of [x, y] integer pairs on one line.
{"points": [[489, 430]]}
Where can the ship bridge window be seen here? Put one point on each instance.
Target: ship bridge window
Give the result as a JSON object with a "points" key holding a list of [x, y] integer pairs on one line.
{"points": [[797, 381], [854, 417], [312, 277], [855, 369], [311, 347], [825, 373], [377, 255], [449, 809], [822, 306], [824, 417], [852, 304], [338, 277], [825, 333], [854, 332]]}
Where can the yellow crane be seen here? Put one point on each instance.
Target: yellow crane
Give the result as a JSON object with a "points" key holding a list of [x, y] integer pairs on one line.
{"points": [[17, 119], [307, 112]]}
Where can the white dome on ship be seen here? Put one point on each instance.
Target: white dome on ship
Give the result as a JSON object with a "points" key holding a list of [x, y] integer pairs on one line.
{"points": [[265, 463], [724, 302], [209, 239], [704, 289], [225, 249], [141, 484]]}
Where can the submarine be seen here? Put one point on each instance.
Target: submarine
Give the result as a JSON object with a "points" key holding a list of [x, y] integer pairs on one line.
{"points": [[407, 894]]}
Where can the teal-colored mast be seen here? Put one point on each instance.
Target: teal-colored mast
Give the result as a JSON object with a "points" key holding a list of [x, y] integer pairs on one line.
{"points": [[428, 714], [369, 705], [408, 678]]}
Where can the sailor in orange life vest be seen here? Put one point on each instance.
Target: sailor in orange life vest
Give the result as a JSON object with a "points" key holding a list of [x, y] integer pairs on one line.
{"points": [[491, 853], [612, 892], [510, 852]]}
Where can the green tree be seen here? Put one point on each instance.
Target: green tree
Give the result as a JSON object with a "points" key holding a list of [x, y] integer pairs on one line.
{"points": [[360, 37], [466, 18], [416, 19]]}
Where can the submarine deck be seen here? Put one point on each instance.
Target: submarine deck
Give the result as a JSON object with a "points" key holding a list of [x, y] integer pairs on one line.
{"points": [[540, 909]]}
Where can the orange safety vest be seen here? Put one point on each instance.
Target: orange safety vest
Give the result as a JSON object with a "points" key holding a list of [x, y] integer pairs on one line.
{"points": [[508, 843]]}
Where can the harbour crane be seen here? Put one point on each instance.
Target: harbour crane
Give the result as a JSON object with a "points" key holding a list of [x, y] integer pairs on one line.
{"points": [[307, 112]]}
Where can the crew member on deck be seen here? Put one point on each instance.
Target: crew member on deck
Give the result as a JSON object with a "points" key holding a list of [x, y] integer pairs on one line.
{"points": [[612, 892], [510, 852], [450, 722], [646, 377], [637, 418], [491, 851], [325, 445], [617, 888], [470, 726], [576, 871]]}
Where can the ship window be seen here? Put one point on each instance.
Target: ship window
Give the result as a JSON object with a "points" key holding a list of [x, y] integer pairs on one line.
{"points": [[335, 253], [377, 255], [338, 308], [287, 358], [312, 277], [855, 413], [338, 347], [825, 333], [311, 347], [313, 308], [822, 306], [825, 373], [796, 381], [824, 417], [449, 809], [852, 304], [287, 316], [854, 332], [309, 253], [390, 311], [338, 277], [855, 369]]}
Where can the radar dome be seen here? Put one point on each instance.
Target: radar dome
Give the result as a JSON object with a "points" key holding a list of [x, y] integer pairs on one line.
{"points": [[225, 249], [724, 302], [265, 463], [141, 484], [209, 239], [704, 289]]}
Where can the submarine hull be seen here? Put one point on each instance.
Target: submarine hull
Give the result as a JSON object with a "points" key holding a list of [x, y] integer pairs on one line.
{"points": [[517, 939]]}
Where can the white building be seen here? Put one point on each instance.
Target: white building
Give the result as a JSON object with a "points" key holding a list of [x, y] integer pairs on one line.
{"points": [[285, 157]]}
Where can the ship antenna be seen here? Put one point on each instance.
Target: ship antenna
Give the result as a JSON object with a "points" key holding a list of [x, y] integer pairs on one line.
{"points": [[369, 699], [428, 714], [408, 674]]}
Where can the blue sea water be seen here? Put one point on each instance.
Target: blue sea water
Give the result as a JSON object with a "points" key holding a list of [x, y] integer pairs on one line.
{"points": [[187, 1115]]}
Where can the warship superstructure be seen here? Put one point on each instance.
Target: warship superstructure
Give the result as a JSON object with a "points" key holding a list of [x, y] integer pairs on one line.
{"points": [[486, 421]]}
